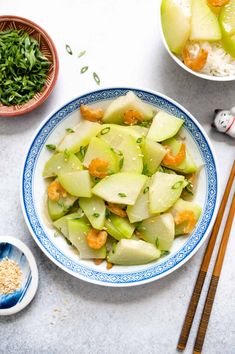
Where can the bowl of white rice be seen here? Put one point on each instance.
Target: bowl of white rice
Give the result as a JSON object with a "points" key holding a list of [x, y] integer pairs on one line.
{"points": [[219, 66]]}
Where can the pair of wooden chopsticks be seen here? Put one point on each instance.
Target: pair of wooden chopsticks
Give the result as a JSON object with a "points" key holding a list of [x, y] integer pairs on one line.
{"points": [[203, 271]]}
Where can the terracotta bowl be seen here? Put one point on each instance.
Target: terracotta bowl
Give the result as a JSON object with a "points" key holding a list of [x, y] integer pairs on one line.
{"points": [[47, 47]]}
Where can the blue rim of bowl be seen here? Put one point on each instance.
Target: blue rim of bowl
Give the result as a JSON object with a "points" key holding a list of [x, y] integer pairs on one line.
{"points": [[151, 271]]}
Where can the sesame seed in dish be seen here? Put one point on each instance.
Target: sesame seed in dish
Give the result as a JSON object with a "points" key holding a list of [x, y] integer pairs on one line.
{"points": [[10, 276]]}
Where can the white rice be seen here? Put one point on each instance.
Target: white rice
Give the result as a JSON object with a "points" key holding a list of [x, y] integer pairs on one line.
{"points": [[219, 62]]}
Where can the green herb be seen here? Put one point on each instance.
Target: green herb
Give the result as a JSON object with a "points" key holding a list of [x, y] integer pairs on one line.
{"points": [[146, 189], [139, 140], [96, 78], [122, 195], [165, 253], [177, 185], [69, 130], [107, 213], [105, 130], [145, 124], [81, 53], [82, 152], [84, 69], [50, 147], [23, 68], [69, 50], [66, 154], [68, 242], [189, 188], [121, 162], [146, 171], [63, 206], [96, 215]]}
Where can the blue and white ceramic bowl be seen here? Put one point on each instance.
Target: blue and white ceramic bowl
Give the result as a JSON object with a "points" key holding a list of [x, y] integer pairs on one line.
{"points": [[17, 251], [34, 190]]}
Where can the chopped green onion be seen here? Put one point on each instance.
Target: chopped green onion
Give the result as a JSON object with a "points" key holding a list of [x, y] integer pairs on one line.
{"points": [[189, 188], [105, 130], [165, 253], [69, 50], [50, 147], [84, 69], [96, 78], [66, 153], [177, 185], [121, 162], [139, 140], [146, 189], [82, 150], [96, 215], [23, 67], [122, 195], [81, 53], [69, 130]]}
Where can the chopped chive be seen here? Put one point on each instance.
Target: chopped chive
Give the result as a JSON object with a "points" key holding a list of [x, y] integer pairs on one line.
{"points": [[146, 190], [105, 130], [177, 185], [66, 153], [96, 78], [84, 69], [82, 151], [83, 52], [69, 130], [23, 67], [189, 188], [51, 147], [69, 50], [122, 195], [121, 162], [96, 215], [165, 253], [139, 140]]}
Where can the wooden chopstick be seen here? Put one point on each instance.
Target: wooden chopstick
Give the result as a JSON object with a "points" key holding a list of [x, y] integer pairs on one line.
{"points": [[204, 267], [214, 282]]}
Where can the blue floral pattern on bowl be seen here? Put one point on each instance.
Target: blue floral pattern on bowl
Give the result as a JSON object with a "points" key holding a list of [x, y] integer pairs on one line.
{"points": [[153, 271]]}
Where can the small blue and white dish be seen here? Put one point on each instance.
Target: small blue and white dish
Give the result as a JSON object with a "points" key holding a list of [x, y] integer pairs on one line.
{"points": [[33, 192], [18, 252]]}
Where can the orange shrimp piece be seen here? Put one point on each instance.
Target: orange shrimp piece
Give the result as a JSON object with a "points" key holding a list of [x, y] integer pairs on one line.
{"points": [[115, 209], [96, 238], [109, 265], [132, 117], [186, 215], [55, 191], [197, 63], [91, 114], [174, 160], [98, 168], [218, 3], [98, 261]]}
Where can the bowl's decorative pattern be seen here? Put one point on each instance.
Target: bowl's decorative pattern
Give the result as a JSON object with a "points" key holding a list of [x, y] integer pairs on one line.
{"points": [[153, 270], [48, 50]]}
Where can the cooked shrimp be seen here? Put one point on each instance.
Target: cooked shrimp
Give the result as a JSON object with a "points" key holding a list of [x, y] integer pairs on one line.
{"points": [[186, 215], [117, 210], [218, 3], [109, 265], [98, 261], [174, 160], [55, 191], [197, 63], [91, 114], [132, 117], [98, 168], [96, 238]]}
